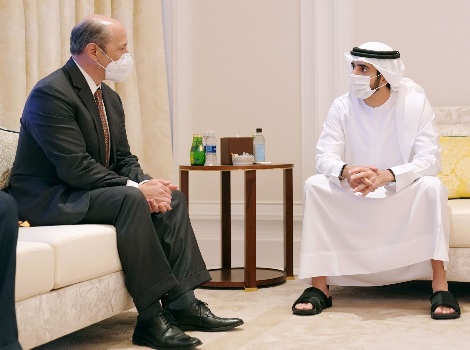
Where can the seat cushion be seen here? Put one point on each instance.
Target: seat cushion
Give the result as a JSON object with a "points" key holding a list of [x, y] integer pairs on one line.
{"points": [[459, 211], [81, 252], [455, 173], [34, 269]]}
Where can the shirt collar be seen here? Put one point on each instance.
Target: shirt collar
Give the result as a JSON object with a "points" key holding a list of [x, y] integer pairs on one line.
{"points": [[89, 80]]}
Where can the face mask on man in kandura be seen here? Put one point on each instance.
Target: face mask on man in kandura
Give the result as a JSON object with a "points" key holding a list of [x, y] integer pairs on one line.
{"points": [[359, 86]]}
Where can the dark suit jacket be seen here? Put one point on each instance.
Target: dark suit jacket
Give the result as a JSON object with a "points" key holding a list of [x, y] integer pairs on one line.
{"points": [[61, 149]]}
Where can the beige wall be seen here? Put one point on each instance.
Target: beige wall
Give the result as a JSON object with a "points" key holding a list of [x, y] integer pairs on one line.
{"points": [[245, 74], [432, 36]]}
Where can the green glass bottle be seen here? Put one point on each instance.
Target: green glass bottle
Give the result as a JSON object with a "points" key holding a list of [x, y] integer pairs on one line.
{"points": [[193, 149], [199, 154]]}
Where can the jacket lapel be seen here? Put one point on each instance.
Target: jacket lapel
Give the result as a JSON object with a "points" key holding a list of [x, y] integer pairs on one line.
{"points": [[84, 93]]}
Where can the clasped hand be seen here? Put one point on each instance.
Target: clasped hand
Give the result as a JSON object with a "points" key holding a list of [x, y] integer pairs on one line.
{"points": [[365, 179], [158, 194]]}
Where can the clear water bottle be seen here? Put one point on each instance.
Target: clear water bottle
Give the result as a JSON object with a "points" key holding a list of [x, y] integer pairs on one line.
{"points": [[258, 146], [210, 148]]}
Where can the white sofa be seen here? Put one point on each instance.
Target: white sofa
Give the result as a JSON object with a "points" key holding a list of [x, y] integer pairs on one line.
{"points": [[69, 277], [454, 128]]}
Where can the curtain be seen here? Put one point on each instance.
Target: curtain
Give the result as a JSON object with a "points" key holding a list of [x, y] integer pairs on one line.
{"points": [[35, 38]]}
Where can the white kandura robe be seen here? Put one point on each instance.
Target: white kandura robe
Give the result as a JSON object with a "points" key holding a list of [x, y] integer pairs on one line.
{"points": [[390, 235]]}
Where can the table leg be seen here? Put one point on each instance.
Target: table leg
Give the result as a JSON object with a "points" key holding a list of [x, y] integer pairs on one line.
{"points": [[184, 184], [250, 229], [226, 219], [288, 224]]}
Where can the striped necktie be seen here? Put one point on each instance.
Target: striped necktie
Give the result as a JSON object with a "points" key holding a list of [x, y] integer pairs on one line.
{"points": [[99, 103]]}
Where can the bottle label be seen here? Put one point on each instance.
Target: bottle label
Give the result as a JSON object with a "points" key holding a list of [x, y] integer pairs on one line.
{"points": [[199, 154], [199, 157], [259, 152], [211, 149]]}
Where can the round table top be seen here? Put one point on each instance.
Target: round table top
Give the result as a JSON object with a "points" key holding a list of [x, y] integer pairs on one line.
{"points": [[220, 167]]}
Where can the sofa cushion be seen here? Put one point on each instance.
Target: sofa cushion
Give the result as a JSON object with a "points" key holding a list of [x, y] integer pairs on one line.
{"points": [[459, 212], [453, 120], [34, 269], [8, 143], [82, 252], [455, 171]]}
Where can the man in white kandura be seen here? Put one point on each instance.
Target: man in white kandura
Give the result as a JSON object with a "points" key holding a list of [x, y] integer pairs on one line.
{"points": [[376, 213]]}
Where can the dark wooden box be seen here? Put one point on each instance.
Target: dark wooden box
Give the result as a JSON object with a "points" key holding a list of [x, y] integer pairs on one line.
{"points": [[235, 145]]}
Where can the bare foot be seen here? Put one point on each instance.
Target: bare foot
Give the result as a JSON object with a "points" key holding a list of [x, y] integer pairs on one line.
{"points": [[443, 310], [304, 306], [439, 283]]}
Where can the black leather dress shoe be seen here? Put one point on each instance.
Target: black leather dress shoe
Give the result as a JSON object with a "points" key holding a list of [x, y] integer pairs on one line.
{"points": [[162, 334], [198, 317]]}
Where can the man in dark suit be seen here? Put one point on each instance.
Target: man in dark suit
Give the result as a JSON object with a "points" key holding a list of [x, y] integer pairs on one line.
{"points": [[74, 166], [8, 239]]}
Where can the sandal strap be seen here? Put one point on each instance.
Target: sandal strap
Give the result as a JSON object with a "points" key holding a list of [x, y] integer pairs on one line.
{"points": [[444, 298], [316, 297]]}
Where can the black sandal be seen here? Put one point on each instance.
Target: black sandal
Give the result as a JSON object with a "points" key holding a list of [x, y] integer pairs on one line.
{"points": [[444, 298], [315, 297]]}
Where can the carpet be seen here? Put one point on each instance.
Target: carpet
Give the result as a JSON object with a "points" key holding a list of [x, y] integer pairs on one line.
{"points": [[388, 317]]}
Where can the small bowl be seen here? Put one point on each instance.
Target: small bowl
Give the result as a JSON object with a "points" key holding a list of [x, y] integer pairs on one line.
{"points": [[242, 160]]}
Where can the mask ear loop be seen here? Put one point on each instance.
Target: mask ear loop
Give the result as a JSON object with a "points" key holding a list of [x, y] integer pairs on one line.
{"points": [[381, 86], [378, 75], [104, 53]]}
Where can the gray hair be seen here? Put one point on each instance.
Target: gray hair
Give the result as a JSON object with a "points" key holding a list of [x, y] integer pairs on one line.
{"points": [[88, 31]]}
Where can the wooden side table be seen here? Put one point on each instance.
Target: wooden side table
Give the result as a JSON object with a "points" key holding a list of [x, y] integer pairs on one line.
{"points": [[249, 277]]}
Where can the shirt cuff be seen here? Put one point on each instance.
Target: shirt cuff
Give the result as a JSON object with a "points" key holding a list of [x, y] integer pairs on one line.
{"points": [[135, 184], [132, 183]]}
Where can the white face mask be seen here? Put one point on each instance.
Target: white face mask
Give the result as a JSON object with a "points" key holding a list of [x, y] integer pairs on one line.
{"points": [[359, 86], [117, 70]]}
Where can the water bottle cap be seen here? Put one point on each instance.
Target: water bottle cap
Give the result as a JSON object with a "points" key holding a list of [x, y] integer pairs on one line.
{"points": [[259, 130]]}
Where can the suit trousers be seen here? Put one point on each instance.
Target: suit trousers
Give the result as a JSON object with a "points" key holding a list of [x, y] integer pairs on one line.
{"points": [[159, 253], [8, 241]]}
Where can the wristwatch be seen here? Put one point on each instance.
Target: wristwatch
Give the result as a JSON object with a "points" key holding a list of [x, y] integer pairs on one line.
{"points": [[340, 176]]}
